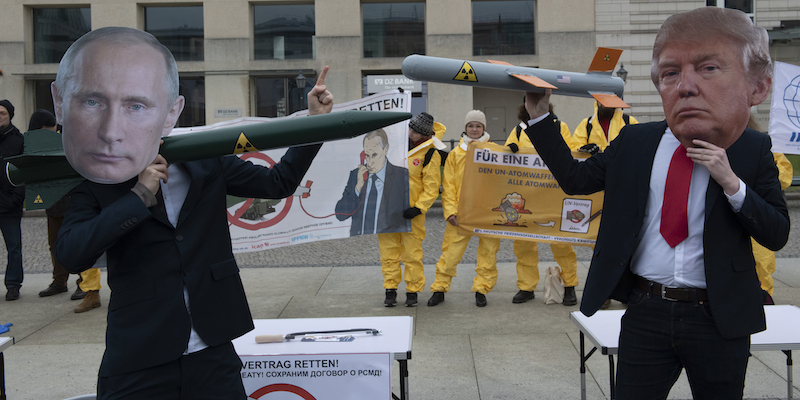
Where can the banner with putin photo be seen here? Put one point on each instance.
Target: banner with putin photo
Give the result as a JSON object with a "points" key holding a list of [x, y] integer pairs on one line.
{"points": [[510, 195], [352, 187]]}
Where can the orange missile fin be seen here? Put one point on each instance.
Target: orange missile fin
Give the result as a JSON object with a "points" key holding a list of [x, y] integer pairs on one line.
{"points": [[610, 100], [605, 59], [532, 80]]}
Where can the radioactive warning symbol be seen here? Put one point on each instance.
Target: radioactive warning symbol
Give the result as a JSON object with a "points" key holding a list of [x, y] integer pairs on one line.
{"points": [[243, 145], [38, 200], [466, 73], [607, 57]]}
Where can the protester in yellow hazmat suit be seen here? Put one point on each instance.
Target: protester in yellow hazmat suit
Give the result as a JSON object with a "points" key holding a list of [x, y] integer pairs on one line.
{"points": [[527, 252], [424, 178], [765, 258], [604, 126], [454, 244]]}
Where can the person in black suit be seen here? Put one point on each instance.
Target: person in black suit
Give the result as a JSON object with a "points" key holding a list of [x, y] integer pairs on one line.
{"points": [[177, 299], [684, 267], [381, 210]]}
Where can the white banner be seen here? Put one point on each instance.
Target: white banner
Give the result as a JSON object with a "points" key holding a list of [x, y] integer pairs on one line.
{"points": [[321, 209], [318, 377], [784, 113]]}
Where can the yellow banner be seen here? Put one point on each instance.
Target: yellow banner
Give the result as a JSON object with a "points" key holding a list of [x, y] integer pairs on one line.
{"points": [[514, 196]]}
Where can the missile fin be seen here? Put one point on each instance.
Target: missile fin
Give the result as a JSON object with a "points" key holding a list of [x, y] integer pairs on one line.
{"points": [[609, 100], [537, 82], [466, 73], [605, 59], [499, 62]]}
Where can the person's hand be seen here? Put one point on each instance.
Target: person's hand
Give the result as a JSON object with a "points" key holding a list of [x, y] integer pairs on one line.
{"points": [[453, 220], [154, 173], [362, 169], [514, 148], [590, 148], [538, 104], [716, 160], [320, 100], [411, 212]]}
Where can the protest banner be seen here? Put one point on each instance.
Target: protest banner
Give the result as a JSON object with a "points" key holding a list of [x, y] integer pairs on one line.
{"points": [[510, 195], [319, 210], [318, 376], [784, 112]]}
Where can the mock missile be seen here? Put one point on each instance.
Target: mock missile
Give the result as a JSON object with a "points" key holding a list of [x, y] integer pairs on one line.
{"points": [[597, 83], [47, 175]]}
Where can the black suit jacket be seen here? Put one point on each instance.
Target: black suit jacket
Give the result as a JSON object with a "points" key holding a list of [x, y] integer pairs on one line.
{"points": [[393, 202], [623, 171], [150, 261]]}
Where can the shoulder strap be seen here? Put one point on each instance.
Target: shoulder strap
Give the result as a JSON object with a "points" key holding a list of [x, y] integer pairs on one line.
{"points": [[626, 118], [588, 129], [428, 157]]}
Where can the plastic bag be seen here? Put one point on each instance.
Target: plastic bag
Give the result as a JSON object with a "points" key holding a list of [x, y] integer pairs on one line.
{"points": [[553, 286]]}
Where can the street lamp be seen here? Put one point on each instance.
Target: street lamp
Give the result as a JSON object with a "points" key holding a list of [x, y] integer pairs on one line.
{"points": [[300, 80], [622, 73]]}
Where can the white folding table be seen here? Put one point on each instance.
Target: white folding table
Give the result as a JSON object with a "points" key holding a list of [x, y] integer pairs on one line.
{"points": [[395, 339], [602, 329]]}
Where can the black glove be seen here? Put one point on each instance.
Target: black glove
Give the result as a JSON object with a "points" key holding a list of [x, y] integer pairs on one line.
{"points": [[513, 147], [411, 212], [590, 148]]}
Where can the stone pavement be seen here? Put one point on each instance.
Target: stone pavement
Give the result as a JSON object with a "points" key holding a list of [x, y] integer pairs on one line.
{"points": [[502, 351]]}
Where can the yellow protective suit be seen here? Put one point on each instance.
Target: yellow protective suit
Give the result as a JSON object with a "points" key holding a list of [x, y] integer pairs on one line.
{"points": [[90, 279], [765, 258], [454, 243], [423, 189], [527, 252], [597, 136]]}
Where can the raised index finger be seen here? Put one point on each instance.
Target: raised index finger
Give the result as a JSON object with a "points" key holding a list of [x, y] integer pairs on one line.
{"points": [[321, 79]]}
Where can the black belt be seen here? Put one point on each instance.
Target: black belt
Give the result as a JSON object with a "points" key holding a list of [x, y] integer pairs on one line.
{"points": [[670, 293]]}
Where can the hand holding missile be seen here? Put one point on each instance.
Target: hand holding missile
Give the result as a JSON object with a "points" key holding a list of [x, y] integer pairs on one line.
{"points": [[537, 104], [320, 100], [154, 173]]}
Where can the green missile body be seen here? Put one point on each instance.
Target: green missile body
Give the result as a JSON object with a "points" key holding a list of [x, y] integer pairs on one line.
{"points": [[47, 175]]}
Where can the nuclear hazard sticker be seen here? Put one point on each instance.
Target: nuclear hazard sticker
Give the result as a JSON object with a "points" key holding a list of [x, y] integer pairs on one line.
{"points": [[466, 73], [243, 145], [576, 215]]}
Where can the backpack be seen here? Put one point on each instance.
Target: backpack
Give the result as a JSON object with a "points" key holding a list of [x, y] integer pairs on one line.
{"points": [[429, 155]]}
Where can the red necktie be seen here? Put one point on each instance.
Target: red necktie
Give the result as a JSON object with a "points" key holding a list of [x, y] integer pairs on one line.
{"points": [[674, 224]]}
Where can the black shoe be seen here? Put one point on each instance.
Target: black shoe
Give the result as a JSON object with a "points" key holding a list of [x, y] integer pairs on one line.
{"points": [[53, 289], [523, 296], [437, 298], [569, 296], [12, 293], [391, 298], [411, 299], [480, 299], [78, 294]]}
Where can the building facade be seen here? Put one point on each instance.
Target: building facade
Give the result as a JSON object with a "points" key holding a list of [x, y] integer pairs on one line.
{"points": [[248, 58]]}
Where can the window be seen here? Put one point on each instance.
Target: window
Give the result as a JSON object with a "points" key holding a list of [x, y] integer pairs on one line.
{"points": [[193, 89], [394, 29], [279, 97], [284, 32], [41, 96], [503, 27], [745, 6], [54, 30], [178, 28]]}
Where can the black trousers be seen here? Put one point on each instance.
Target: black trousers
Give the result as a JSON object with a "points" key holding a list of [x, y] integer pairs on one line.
{"points": [[212, 374], [660, 337]]}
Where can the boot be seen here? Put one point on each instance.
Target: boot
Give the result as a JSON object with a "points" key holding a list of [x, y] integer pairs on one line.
{"points": [[480, 299], [569, 296], [437, 298], [411, 299], [91, 301], [523, 296], [391, 298], [54, 288]]}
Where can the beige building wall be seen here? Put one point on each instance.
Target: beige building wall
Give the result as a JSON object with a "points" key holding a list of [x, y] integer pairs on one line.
{"points": [[568, 32]]}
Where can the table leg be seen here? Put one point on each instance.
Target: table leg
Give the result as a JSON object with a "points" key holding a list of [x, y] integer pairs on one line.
{"points": [[583, 370], [403, 379], [611, 376], [789, 382], [2, 377]]}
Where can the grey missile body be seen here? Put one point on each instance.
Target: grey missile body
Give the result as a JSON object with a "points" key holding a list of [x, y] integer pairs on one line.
{"points": [[499, 76]]}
